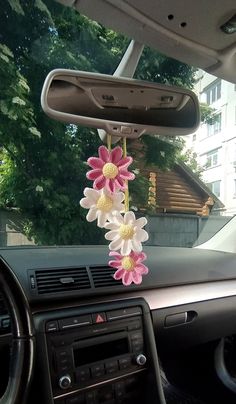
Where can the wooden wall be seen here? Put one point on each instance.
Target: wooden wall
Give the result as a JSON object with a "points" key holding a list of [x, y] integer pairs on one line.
{"points": [[174, 192]]}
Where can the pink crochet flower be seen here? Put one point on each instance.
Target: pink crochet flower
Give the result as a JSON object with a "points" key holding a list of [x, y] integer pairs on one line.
{"points": [[109, 170], [129, 267]]}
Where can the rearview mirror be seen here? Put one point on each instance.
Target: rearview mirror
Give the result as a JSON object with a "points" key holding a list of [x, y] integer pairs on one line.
{"points": [[120, 106]]}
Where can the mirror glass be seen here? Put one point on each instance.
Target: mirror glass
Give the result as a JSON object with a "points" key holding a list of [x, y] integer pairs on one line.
{"points": [[123, 105]]}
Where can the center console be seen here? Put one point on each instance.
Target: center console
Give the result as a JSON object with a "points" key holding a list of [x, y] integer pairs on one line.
{"points": [[101, 355]]}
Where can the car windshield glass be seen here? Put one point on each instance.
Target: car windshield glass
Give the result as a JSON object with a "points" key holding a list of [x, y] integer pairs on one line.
{"points": [[186, 186]]}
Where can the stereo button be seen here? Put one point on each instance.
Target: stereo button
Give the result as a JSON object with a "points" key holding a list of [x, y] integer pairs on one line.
{"points": [[124, 363], [136, 335], [83, 375], [91, 398], [51, 326], [134, 325], [111, 366], [123, 313], [97, 370], [106, 395], [76, 400], [74, 322], [119, 390]]}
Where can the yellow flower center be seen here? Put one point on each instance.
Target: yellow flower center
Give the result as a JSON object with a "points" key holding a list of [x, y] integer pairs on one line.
{"points": [[128, 263], [110, 170], [126, 231], [104, 203]]}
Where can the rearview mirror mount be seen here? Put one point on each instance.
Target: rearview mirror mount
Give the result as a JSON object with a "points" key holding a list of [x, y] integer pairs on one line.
{"points": [[120, 106]]}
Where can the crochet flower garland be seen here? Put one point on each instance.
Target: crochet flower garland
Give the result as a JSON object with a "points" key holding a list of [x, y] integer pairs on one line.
{"points": [[110, 175]]}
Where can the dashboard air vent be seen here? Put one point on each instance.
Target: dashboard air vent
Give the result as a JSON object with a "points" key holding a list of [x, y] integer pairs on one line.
{"points": [[62, 280], [103, 277]]}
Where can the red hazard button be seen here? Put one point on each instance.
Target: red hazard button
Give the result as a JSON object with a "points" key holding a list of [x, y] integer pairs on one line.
{"points": [[99, 318]]}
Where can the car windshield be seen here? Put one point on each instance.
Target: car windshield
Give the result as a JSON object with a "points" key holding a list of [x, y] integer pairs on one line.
{"points": [[186, 186]]}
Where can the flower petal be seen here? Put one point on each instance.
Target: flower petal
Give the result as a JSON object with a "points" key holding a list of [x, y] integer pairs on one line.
{"points": [[118, 218], [120, 183], [93, 174], [141, 235], [129, 217], [116, 244], [115, 254], [126, 175], [92, 194], [102, 218], [119, 197], [137, 278], [118, 274], [112, 235], [139, 257], [112, 226], [115, 264], [92, 215], [118, 208], [136, 245], [86, 203], [116, 154], [95, 162], [125, 162], [127, 278], [111, 185], [141, 269], [99, 183], [104, 154], [125, 248], [142, 221]]}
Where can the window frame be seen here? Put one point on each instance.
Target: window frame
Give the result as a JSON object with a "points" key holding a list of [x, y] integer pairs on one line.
{"points": [[210, 156], [211, 186], [213, 92], [216, 127]]}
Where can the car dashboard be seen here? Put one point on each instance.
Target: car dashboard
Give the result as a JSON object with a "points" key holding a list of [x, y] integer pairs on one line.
{"points": [[98, 341]]}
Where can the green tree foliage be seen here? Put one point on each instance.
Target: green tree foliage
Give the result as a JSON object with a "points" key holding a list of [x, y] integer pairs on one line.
{"points": [[42, 171]]}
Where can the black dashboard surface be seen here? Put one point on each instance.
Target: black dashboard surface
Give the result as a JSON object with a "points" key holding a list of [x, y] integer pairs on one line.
{"points": [[168, 266]]}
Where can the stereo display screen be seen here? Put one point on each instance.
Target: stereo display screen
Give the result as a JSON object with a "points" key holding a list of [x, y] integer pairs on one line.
{"points": [[99, 352]]}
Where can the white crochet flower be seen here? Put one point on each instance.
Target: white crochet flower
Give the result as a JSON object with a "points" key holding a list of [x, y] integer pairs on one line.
{"points": [[126, 233], [102, 205]]}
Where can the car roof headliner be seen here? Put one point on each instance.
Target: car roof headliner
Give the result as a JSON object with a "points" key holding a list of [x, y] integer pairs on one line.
{"points": [[187, 30]]}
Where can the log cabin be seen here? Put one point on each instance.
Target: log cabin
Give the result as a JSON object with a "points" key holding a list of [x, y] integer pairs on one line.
{"points": [[180, 191]]}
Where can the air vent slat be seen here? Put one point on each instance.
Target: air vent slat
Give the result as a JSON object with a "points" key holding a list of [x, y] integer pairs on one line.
{"points": [[59, 273], [103, 277], [62, 280], [51, 281]]}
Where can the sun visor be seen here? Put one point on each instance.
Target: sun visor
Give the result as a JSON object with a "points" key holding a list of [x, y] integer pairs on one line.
{"points": [[173, 28]]}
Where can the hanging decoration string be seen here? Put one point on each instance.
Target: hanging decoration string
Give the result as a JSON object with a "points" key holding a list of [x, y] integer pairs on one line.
{"points": [[109, 142], [126, 182]]}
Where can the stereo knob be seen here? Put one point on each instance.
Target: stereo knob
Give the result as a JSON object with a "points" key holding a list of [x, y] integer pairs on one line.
{"points": [[64, 382], [141, 360]]}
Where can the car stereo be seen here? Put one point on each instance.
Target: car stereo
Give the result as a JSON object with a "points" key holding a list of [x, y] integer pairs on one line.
{"points": [[96, 349]]}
